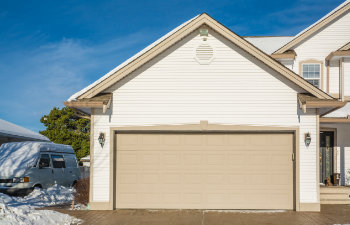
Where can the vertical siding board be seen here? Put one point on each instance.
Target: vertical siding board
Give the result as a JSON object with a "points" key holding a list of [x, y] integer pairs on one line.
{"points": [[347, 77]]}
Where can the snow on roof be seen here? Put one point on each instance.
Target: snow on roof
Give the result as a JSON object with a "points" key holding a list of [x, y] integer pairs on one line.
{"points": [[269, 44], [342, 112], [10, 129], [86, 159], [17, 157], [74, 96]]}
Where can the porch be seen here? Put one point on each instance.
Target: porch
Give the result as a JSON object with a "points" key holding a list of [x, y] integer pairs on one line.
{"points": [[335, 195]]}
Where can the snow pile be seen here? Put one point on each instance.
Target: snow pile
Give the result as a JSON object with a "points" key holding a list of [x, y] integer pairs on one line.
{"points": [[25, 215], [18, 210], [54, 195]]}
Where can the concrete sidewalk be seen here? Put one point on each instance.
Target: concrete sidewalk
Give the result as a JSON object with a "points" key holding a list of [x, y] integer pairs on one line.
{"points": [[330, 214]]}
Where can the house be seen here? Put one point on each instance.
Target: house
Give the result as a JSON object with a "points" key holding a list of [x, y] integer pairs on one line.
{"points": [[85, 161], [10, 132], [206, 119]]}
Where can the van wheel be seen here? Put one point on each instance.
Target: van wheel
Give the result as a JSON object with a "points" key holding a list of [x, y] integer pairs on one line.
{"points": [[32, 188]]}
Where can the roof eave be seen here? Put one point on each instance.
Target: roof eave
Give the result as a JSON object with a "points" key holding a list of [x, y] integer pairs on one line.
{"points": [[338, 53], [102, 101], [335, 119], [311, 102], [286, 55]]}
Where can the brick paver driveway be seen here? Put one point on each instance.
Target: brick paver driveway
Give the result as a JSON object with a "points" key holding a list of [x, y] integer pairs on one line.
{"points": [[330, 214]]}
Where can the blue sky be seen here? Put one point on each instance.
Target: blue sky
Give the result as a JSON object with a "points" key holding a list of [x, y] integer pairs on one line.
{"points": [[52, 49]]}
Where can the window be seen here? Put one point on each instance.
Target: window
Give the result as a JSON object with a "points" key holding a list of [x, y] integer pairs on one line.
{"points": [[44, 160], [71, 161], [58, 161], [312, 73]]}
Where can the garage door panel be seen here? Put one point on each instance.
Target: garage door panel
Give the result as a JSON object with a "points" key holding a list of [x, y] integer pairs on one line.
{"points": [[208, 171]]}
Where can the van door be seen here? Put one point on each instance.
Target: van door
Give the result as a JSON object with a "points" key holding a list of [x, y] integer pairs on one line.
{"points": [[58, 166], [72, 169], [45, 172]]}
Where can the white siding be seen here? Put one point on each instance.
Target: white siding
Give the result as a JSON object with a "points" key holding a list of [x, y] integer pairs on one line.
{"points": [[234, 89], [347, 77], [288, 63], [320, 45], [334, 77], [101, 161], [343, 150], [308, 159]]}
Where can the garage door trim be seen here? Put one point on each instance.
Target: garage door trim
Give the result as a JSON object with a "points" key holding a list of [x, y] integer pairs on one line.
{"points": [[203, 127]]}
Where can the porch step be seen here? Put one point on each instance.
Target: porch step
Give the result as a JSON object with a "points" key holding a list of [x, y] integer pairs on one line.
{"points": [[335, 195], [329, 196], [334, 190], [336, 202]]}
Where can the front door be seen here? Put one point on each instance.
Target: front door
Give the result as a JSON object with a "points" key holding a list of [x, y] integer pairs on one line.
{"points": [[326, 155]]}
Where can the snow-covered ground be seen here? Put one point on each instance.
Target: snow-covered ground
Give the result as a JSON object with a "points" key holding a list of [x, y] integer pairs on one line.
{"points": [[21, 210]]}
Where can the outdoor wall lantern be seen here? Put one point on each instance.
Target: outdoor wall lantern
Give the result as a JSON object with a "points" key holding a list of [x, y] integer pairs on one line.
{"points": [[307, 139], [204, 34], [101, 139]]}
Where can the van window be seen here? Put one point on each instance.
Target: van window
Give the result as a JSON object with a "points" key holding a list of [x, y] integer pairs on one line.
{"points": [[58, 161], [44, 160], [71, 161]]}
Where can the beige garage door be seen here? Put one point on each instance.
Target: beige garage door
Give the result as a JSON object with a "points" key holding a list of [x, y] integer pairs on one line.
{"points": [[204, 171]]}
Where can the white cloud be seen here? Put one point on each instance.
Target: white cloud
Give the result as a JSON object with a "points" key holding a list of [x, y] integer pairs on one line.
{"points": [[32, 81]]}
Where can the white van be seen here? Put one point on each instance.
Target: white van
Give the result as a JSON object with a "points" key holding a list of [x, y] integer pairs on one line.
{"points": [[26, 165]]}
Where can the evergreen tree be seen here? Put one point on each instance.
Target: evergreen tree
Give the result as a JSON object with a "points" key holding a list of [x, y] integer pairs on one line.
{"points": [[64, 127]]}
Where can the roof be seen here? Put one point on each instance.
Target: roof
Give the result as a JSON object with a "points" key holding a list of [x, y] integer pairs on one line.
{"points": [[309, 101], [269, 44], [345, 47], [176, 35], [340, 113], [341, 52], [102, 100], [324, 21], [12, 130]]}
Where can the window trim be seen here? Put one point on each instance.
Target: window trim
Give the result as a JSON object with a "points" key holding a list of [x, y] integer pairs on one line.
{"points": [[52, 161], [312, 61], [38, 160]]}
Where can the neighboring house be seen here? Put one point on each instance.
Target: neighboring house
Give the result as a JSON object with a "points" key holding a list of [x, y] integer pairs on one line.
{"points": [[85, 161], [10, 132], [206, 119]]}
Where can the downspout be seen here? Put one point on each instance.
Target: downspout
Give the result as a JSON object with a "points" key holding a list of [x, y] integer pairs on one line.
{"points": [[341, 79]]}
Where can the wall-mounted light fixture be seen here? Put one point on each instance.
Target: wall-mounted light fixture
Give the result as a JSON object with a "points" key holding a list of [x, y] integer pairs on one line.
{"points": [[204, 34], [307, 139], [101, 139]]}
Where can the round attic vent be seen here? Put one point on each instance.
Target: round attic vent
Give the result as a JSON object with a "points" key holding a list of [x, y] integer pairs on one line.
{"points": [[204, 53]]}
